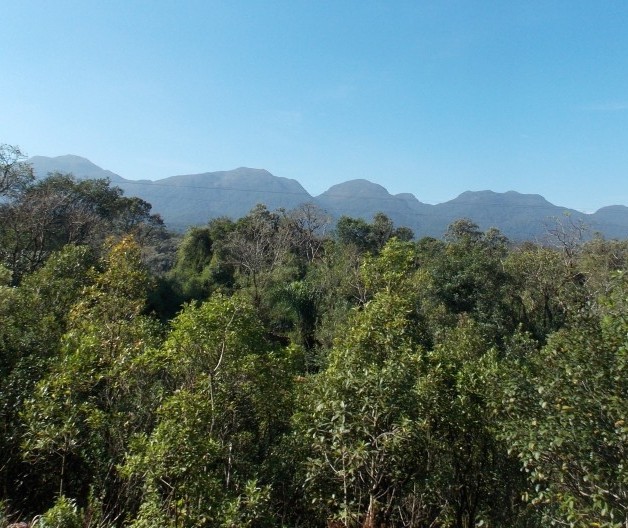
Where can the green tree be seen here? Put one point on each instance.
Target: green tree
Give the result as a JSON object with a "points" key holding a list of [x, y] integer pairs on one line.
{"points": [[355, 231], [564, 414], [226, 405], [469, 277], [463, 230], [60, 210], [470, 480], [542, 290], [369, 237], [201, 264], [95, 397], [34, 317], [357, 420], [598, 260], [397, 429], [358, 416], [190, 273]]}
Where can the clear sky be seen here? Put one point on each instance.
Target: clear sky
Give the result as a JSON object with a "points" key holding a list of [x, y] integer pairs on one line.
{"points": [[432, 98]]}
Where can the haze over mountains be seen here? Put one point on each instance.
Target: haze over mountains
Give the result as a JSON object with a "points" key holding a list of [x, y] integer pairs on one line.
{"points": [[196, 198]]}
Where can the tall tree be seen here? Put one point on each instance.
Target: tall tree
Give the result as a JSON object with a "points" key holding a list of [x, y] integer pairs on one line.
{"points": [[83, 413], [257, 247], [224, 410], [308, 226], [34, 317], [469, 276], [358, 418], [370, 237], [564, 416]]}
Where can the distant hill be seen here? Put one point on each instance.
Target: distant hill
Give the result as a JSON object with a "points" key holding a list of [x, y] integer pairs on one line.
{"points": [[193, 198], [362, 198], [520, 216], [80, 167], [196, 198]]}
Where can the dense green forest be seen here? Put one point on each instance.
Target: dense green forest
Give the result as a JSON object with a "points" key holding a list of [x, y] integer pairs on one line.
{"points": [[278, 371]]}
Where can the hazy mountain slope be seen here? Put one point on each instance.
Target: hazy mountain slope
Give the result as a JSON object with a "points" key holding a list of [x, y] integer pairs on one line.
{"points": [[611, 221], [80, 167], [519, 216], [362, 198], [195, 198]]}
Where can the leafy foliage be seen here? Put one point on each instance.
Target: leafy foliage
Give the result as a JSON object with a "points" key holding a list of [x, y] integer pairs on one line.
{"points": [[198, 464], [569, 429], [292, 378]]}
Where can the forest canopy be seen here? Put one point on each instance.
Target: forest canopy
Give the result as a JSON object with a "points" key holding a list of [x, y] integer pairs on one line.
{"points": [[279, 371]]}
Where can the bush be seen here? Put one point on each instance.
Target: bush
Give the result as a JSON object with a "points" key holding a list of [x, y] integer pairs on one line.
{"points": [[64, 514]]}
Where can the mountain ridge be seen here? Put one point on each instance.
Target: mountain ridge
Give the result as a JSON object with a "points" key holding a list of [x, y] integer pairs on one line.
{"points": [[192, 199]]}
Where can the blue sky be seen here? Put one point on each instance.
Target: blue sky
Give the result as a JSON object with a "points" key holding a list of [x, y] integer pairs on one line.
{"points": [[432, 98]]}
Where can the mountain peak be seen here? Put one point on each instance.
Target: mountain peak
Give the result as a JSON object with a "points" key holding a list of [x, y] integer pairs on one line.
{"points": [[250, 169], [77, 165], [505, 198], [67, 160], [74, 158], [355, 188]]}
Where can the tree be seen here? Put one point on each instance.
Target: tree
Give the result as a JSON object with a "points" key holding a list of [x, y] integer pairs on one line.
{"points": [[358, 419], [224, 409], [469, 277], [370, 237], [61, 210], [83, 413], [567, 235], [308, 225], [598, 260], [34, 317], [564, 416], [15, 174], [470, 479], [258, 248], [397, 429], [463, 230], [355, 231], [190, 271], [542, 289]]}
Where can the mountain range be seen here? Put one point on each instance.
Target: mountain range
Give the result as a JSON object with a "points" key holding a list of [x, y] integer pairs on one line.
{"points": [[194, 199]]}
